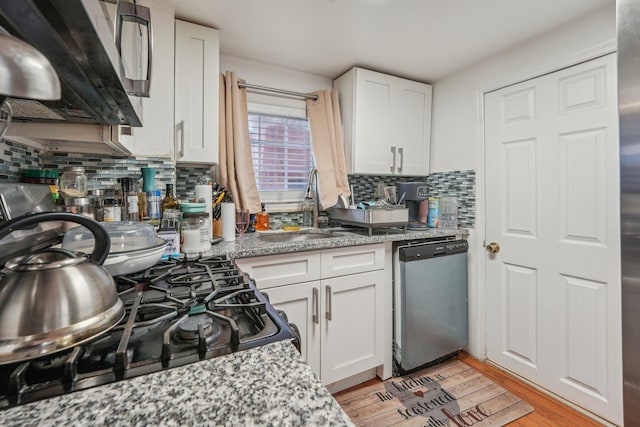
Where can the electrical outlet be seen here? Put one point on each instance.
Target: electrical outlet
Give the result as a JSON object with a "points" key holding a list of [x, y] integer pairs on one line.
{"points": [[379, 191]]}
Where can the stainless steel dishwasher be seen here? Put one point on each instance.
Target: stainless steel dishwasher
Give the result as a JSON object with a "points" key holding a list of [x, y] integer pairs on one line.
{"points": [[430, 302]]}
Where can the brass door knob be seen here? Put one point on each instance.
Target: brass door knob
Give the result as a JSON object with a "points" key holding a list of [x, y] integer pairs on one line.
{"points": [[493, 248]]}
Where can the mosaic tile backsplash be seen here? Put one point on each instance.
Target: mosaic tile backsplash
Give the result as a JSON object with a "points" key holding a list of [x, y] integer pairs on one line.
{"points": [[186, 180], [14, 158], [460, 184], [103, 172]]}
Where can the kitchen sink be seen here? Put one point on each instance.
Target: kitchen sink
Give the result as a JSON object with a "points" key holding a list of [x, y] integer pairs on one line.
{"points": [[294, 236]]}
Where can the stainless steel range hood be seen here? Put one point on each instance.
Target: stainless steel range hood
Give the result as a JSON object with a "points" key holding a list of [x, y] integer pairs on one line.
{"points": [[77, 38]]}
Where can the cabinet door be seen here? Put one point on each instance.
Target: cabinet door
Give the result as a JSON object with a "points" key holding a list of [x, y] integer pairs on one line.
{"points": [[301, 304], [414, 127], [373, 123], [196, 93], [353, 324]]}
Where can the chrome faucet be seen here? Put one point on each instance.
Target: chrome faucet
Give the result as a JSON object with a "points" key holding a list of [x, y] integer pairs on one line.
{"points": [[313, 194]]}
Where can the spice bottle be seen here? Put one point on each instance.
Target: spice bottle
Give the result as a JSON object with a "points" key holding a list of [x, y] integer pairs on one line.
{"points": [[112, 210], [130, 198]]}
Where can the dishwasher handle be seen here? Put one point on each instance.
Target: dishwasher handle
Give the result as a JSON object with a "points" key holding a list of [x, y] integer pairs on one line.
{"points": [[432, 250]]}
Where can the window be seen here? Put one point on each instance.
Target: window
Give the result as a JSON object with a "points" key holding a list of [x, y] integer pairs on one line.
{"points": [[282, 156]]}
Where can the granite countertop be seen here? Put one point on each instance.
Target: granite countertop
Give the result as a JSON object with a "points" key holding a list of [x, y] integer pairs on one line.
{"points": [[251, 245], [267, 385]]}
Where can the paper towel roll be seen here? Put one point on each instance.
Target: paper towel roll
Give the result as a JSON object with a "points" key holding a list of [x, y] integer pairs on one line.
{"points": [[204, 193], [228, 216]]}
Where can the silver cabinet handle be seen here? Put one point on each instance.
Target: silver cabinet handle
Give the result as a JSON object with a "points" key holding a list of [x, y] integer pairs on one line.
{"points": [[132, 12], [328, 289], [401, 152], [314, 302], [180, 128], [393, 166]]}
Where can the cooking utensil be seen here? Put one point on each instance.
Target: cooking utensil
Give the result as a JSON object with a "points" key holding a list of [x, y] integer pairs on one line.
{"points": [[401, 199], [55, 299], [343, 202], [134, 246], [390, 195], [132, 261]]}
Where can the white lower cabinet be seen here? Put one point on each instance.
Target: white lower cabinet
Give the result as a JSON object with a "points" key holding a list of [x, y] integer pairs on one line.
{"points": [[352, 336], [341, 319], [301, 303]]}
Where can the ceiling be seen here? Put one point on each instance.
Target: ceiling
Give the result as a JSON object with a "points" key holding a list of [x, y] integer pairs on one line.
{"points": [[418, 39]]}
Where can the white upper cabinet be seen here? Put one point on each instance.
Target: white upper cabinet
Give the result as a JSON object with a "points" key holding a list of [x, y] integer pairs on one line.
{"points": [[387, 123], [196, 93]]}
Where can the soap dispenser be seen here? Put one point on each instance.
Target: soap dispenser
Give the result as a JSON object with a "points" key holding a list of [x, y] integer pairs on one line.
{"points": [[307, 212], [262, 219]]}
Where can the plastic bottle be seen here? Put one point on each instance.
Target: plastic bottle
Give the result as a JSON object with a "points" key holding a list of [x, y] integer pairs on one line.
{"points": [[262, 220], [434, 211]]}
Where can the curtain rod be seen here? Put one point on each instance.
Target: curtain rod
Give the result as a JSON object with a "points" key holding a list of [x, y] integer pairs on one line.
{"points": [[281, 91]]}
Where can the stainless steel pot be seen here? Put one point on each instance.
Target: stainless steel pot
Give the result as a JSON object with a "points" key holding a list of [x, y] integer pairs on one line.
{"points": [[55, 299]]}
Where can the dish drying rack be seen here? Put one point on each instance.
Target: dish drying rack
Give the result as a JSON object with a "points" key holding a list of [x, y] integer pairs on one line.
{"points": [[372, 217]]}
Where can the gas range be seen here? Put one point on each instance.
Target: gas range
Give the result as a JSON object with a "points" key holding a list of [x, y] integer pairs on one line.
{"points": [[177, 312]]}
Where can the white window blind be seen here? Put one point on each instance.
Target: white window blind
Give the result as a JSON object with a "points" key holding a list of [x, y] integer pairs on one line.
{"points": [[281, 152]]}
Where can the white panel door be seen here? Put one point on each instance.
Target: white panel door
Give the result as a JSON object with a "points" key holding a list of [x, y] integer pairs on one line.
{"points": [[301, 303], [552, 205]]}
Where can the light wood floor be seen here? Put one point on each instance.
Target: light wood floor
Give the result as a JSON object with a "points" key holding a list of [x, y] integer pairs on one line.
{"points": [[547, 411]]}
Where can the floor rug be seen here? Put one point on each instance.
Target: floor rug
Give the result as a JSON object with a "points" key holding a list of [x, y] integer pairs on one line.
{"points": [[449, 394]]}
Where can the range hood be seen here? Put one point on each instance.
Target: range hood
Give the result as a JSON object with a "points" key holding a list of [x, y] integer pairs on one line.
{"points": [[76, 36]]}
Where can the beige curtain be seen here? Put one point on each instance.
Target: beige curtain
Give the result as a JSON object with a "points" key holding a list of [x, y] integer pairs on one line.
{"points": [[236, 167], [328, 147]]}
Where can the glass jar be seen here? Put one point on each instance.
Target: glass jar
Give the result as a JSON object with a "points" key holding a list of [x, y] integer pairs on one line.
{"points": [[98, 203], [194, 232], [112, 210], [77, 205], [73, 182]]}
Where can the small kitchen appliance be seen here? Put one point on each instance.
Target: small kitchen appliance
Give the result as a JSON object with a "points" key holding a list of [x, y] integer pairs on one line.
{"points": [[416, 196]]}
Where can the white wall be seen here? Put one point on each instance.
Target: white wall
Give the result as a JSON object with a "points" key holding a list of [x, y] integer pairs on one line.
{"points": [[457, 123]]}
